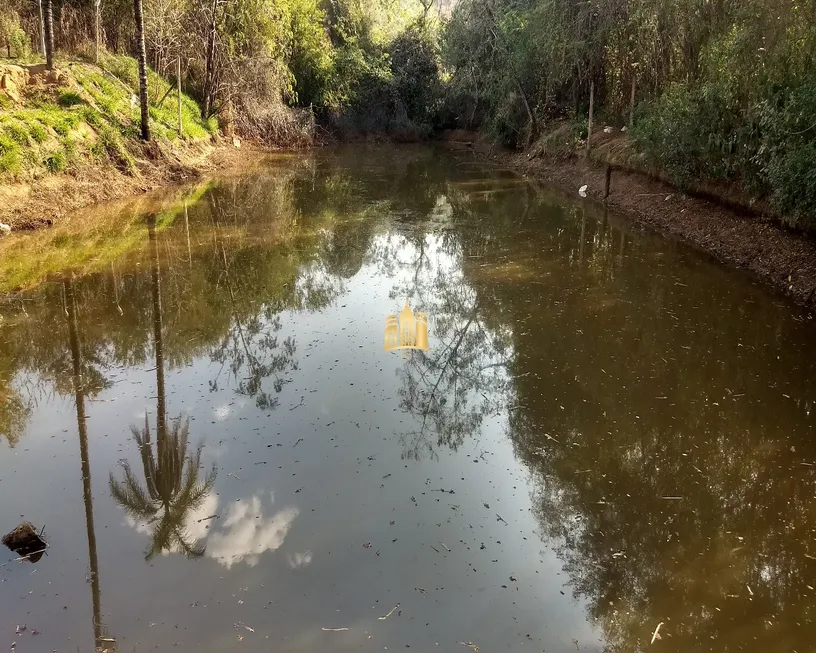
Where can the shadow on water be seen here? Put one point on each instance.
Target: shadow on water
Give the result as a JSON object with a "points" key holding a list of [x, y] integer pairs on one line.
{"points": [[657, 410]]}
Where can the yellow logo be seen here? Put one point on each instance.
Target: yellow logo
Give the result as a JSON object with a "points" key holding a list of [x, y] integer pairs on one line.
{"points": [[406, 331]]}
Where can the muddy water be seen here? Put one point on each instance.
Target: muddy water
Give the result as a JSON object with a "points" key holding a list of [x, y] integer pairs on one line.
{"points": [[607, 434]]}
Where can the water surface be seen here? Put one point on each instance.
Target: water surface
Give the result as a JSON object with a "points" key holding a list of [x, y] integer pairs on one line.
{"points": [[609, 432]]}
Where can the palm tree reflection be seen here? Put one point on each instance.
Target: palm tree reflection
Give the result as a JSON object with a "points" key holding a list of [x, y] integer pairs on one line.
{"points": [[173, 486], [171, 490]]}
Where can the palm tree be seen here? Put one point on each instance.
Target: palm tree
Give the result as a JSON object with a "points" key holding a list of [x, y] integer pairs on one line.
{"points": [[171, 492], [142, 56]]}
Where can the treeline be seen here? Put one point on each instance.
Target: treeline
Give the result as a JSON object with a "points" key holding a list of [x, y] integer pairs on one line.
{"points": [[723, 91], [711, 91], [269, 68]]}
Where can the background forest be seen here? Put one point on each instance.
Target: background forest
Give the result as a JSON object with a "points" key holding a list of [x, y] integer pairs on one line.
{"points": [[708, 91]]}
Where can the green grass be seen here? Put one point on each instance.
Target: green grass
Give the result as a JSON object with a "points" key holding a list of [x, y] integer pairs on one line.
{"points": [[69, 98], [97, 117], [56, 161]]}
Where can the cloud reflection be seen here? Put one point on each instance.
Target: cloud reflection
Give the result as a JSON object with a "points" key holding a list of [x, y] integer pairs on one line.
{"points": [[247, 533], [244, 535], [299, 560]]}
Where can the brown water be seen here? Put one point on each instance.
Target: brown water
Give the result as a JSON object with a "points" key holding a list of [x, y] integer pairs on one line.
{"points": [[608, 433]]}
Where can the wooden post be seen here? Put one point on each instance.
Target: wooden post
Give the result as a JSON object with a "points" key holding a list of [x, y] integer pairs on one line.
{"points": [[178, 85], [591, 110], [632, 101], [608, 180]]}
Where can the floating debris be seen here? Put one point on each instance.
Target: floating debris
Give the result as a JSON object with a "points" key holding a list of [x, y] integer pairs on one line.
{"points": [[656, 633], [26, 541], [471, 645], [389, 613], [335, 630]]}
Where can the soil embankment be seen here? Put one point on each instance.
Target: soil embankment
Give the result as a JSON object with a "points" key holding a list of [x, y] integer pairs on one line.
{"points": [[69, 138], [782, 259]]}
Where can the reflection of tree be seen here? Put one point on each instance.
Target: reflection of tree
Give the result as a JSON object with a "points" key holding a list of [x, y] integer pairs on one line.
{"points": [[659, 472], [14, 413], [173, 487], [252, 344], [101, 639], [452, 389]]}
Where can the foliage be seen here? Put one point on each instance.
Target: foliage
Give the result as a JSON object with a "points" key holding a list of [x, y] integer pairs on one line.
{"points": [[725, 88], [13, 38]]}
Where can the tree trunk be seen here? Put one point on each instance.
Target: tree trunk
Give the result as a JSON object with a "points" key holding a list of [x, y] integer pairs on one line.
{"points": [[209, 66], [49, 36], [591, 110], [97, 29], [632, 101], [178, 86], [142, 55], [42, 29]]}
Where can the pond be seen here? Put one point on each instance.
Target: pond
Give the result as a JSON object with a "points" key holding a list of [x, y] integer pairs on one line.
{"points": [[608, 445]]}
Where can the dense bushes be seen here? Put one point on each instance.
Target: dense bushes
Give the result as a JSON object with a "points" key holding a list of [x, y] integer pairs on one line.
{"points": [[726, 91]]}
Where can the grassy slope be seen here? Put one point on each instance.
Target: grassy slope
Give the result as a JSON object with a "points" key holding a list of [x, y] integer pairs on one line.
{"points": [[91, 118]]}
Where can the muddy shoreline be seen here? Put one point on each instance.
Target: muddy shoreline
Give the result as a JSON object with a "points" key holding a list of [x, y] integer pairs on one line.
{"points": [[780, 258]]}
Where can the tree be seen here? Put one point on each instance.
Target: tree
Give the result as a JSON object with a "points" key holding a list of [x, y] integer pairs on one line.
{"points": [[49, 36], [142, 56], [97, 29]]}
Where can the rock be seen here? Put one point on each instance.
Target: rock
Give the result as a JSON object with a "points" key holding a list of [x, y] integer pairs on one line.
{"points": [[25, 541], [236, 142], [4, 229], [582, 191], [12, 79]]}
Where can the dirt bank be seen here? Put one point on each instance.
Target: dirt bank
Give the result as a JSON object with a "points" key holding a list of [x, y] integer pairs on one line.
{"points": [[50, 199], [782, 259]]}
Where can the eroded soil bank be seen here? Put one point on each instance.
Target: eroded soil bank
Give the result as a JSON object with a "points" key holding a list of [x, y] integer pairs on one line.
{"points": [[782, 259]]}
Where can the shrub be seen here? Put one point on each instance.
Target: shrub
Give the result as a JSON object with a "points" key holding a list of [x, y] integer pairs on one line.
{"points": [[9, 154], [55, 162], [69, 99]]}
